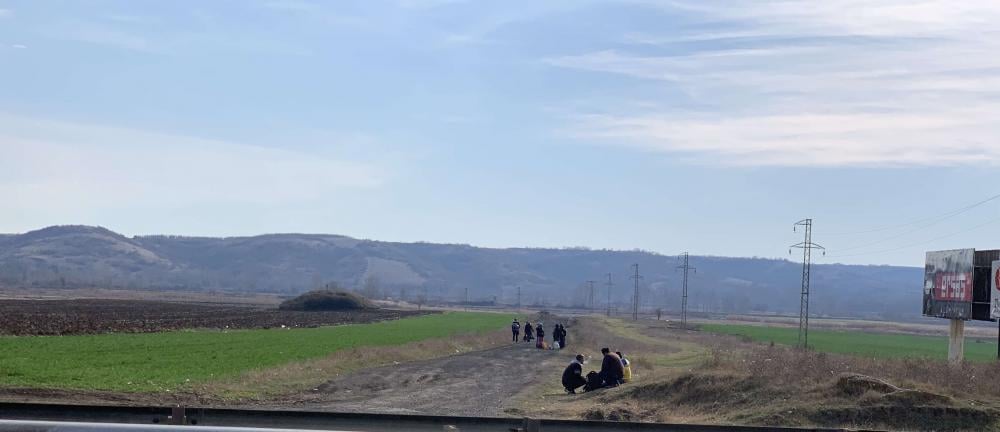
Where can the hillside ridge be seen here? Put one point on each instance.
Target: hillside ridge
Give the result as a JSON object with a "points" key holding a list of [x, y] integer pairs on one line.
{"points": [[291, 263]]}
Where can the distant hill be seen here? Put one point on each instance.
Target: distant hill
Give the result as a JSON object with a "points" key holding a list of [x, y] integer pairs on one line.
{"points": [[77, 256]]}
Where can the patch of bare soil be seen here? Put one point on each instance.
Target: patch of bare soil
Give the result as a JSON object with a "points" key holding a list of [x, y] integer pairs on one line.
{"points": [[89, 316], [94, 397], [479, 383]]}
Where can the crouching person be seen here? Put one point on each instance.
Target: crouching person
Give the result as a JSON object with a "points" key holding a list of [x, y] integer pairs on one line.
{"points": [[612, 370], [572, 377], [626, 367]]}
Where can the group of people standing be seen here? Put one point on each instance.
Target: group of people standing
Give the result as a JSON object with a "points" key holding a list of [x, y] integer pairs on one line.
{"points": [[537, 333], [615, 371]]}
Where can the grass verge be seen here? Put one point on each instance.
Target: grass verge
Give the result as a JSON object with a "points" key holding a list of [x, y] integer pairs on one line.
{"points": [[168, 361], [878, 345]]}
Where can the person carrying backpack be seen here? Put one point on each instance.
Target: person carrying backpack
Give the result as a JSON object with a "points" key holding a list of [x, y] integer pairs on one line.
{"points": [[515, 328]]}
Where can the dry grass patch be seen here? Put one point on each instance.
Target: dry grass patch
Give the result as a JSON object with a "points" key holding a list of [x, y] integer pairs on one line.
{"points": [[687, 376]]}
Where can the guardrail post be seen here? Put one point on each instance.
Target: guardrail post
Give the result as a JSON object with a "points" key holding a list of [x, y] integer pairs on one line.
{"points": [[177, 416], [532, 425]]}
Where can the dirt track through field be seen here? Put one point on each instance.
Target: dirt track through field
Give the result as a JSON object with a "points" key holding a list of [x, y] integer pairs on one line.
{"points": [[481, 383]]}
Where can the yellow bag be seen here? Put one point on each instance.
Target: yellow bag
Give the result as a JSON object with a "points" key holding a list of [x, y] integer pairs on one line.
{"points": [[628, 374]]}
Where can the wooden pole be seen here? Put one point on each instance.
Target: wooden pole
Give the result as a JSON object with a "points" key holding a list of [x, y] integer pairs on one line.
{"points": [[956, 342]]}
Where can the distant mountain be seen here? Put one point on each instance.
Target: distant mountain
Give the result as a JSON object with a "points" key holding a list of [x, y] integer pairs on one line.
{"points": [[77, 256]]}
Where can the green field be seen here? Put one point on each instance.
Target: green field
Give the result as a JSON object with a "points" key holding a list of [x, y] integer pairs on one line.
{"points": [[164, 361], [861, 343]]}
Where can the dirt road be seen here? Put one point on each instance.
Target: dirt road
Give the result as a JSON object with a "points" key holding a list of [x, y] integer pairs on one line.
{"points": [[481, 383]]}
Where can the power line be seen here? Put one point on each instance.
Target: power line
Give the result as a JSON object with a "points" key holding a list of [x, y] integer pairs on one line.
{"points": [[936, 219], [807, 246], [918, 243], [591, 295], [918, 228], [609, 284], [635, 296], [684, 292]]}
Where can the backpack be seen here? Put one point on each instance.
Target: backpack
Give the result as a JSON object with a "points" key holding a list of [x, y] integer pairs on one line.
{"points": [[593, 381]]}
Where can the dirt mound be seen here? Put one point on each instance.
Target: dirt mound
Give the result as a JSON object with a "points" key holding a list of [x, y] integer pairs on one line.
{"points": [[702, 390], [327, 300], [876, 391], [849, 400], [851, 384]]}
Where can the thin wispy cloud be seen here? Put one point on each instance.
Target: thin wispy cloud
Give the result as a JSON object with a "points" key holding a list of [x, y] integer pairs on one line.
{"points": [[60, 165], [800, 83]]}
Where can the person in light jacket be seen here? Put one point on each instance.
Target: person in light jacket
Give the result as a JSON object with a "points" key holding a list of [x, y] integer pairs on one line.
{"points": [[626, 367]]}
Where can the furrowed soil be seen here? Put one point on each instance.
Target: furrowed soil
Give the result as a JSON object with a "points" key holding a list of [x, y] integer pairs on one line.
{"points": [[94, 316]]}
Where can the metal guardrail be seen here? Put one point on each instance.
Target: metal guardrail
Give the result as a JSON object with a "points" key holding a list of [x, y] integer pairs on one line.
{"points": [[86, 418], [50, 426]]}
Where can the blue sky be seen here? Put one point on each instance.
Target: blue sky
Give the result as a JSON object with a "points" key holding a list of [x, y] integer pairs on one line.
{"points": [[666, 126]]}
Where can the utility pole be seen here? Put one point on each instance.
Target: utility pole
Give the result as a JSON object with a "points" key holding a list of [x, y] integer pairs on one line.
{"points": [[591, 283], [609, 284], [635, 296], [684, 292], [518, 297], [466, 298], [807, 246]]}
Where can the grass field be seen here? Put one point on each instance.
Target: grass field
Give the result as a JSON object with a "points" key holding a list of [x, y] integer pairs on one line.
{"points": [[861, 343], [166, 361]]}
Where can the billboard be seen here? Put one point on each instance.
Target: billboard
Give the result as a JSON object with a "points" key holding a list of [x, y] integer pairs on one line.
{"points": [[995, 290], [948, 283]]}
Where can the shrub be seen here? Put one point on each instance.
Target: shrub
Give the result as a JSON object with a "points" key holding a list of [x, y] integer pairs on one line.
{"points": [[327, 300]]}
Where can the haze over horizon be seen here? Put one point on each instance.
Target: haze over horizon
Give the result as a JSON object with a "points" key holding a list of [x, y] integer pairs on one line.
{"points": [[708, 127]]}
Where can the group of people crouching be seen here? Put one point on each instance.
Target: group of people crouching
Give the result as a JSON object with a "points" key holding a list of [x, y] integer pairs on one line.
{"points": [[537, 333], [615, 371]]}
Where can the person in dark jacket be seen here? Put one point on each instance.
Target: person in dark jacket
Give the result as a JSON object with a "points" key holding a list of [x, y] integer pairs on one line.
{"points": [[515, 328], [572, 377], [528, 331], [540, 336], [562, 336], [612, 370]]}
